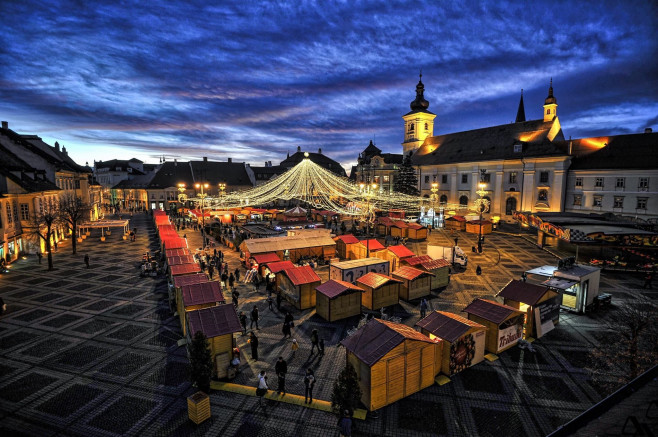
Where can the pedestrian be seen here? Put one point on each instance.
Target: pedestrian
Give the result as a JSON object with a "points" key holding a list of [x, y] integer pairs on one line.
{"points": [[309, 382], [315, 339], [478, 270], [253, 341], [211, 270], [294, 346], [237, 274], [278, 300], [3, 306], [87, 260], [243, 322], [345, 424], [321, 345], [254, 318], [256, 281], [39, 255], [234, 297], [456, 240], [55, 246], [286, 330], [270, 301], [289, 321], [262, 387], [423, 308], [281, 368], [224, 278], [524, 276], [231, 281], [647, 281]]}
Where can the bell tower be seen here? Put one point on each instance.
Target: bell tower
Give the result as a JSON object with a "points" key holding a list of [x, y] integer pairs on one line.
{"points": [[550, 104], [419, 122]]}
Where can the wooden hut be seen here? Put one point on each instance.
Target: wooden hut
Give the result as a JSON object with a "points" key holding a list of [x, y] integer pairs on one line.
{"points": [[298, 286], [415, 261], [440, 268], [415, 283], [336, 300], [179, 260], [463, 340], [344, 245], [398, 229], [261, 260], [391, 360], [276, 267], [352, 270], [395, 255], [383, 225], [183, 269], [455, 223], [378, 290], [218, 324], [416, 231], [173, 243], [319, 244], [504, 324], [473, 227], [182, 280], [366, 248], [540, 305], [198, 296]]}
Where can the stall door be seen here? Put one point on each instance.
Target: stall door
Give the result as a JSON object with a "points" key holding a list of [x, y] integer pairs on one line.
{"points": [[395, 379], [412, 384]]}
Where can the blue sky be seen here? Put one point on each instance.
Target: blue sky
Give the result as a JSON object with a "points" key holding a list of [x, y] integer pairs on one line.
{"points": [[253, 80]]}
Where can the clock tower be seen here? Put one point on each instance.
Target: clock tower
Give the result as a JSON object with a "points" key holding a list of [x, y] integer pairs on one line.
{"points": [[419, 122]]}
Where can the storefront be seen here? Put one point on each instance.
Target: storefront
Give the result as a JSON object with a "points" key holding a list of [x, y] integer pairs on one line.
{"points": [[579, 284], [504, 324]]}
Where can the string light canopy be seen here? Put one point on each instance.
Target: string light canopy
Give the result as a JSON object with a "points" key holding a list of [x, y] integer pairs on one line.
{"points": [[321, 189]]}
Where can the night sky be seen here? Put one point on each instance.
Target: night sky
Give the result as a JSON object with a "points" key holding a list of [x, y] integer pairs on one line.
{"points": [[253, 80]]}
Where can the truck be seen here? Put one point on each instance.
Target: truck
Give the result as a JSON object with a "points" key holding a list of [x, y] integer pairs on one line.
{"points": [[454, 255]]}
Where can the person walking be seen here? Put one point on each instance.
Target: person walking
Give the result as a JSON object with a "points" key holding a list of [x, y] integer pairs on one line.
{"points": [[237, 274], [262, 387], [281, 368], [309, 383], [294, 346], [286, 330], [256, 282], [270, 301], [243, 321], [211, 270], [423, 308], [315, 339], [321, 344], [278, 300], [254, 318], [231, 282], [345, 424], [253, 341], [87, 260], [224, 278], [288, 320]]}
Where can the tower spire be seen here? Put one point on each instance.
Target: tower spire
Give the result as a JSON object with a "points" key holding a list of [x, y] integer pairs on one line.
{"points": [[520, 113]]}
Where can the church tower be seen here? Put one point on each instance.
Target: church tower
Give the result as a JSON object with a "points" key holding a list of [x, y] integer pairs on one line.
{"points": [[550, 105], [520, 113], [419, 122]]}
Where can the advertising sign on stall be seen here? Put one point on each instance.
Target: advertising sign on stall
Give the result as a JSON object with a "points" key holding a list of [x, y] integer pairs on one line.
{"points": [[545, 313], [510, 335]]}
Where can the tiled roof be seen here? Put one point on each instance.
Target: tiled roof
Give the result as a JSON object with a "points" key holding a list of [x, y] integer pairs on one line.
{"points": [[184, 269], [377, 338], [447, 326], [409, 273], [347, 239], [457, 218], [400, 224], [301, 275], [334, 288], [179, 260], [524, 292], [635, 151], [174, 243], [489, 310], [170, 174], [372, 244], [177, 252], [264, 258], [413, 225], [401, 251], [198, 278], [214, 321], [416, 260], [279, 266], [434, 264], [199, 294], [375, 280]]}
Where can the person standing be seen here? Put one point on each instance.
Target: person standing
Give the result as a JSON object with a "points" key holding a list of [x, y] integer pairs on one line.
{"points": [[262, 387], [281, 368], [243, 321], [270, 301], [231, 282], [39, 255], [253, 341], [345, 425], [237, 274], [254, 318], [87, 260], [256, 282], [309, 383], [321, 347], [224, 278], [288, 320], [423, 308], [293, 347], [278, 300], [286, 330], [315, 340], [211, 270]]}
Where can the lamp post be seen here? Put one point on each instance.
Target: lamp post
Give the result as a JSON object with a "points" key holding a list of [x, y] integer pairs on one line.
{"points": [[181, 195], [434, 189], [202, 196], [482, 204], [368, 191]]}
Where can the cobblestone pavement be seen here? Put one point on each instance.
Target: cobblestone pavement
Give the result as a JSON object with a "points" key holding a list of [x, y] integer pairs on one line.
{"points": [[94, 352]]}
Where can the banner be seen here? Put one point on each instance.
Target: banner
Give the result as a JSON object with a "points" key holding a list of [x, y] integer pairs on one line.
{"points": [[510, 335]]}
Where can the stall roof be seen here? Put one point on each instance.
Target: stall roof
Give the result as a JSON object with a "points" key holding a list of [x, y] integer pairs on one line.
{"points": [[575, 271], [301, 275], [435, 264], [375, 280], [199, 294], [214, 321], [184, 269], [458, 218], [279, 266], [523, 292], [493, 311], [447, 326], [157, 212], [372, 244], [560, 284], [334, 288], [542, 271], [178, 260], [414, 225], [414, 261], [275, 244], [410, 273], [177, 252], [347, 239], [401, 251], [175, 243], [377, 338], [358, 263], [264, 258], [400, 224], [198, 278]]}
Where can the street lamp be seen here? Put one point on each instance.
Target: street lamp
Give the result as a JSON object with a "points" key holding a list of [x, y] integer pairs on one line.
{"points": [[368, 191], [181, 196], [482, 204], [202, 196], [434, 189]]}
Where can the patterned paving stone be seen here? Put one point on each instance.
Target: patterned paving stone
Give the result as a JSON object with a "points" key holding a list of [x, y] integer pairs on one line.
{"points": [[421, 416], [72, 302], [94, 326], [62, 320], [13, 339], [25, 386], [70, 401]]}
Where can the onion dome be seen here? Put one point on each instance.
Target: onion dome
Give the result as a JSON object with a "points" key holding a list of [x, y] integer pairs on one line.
{"points": [[420, 104]]}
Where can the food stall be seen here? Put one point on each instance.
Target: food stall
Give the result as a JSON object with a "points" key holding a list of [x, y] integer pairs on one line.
{"points": [[539, 304], [177, 252], [344, 245], [297, 285], [198, 296], [504, 324], [473, 226], [261, 260], [336, 300], [379, 290], [455, 223], [178, 282], [415, 283], [578, 284], [395, 255], [183, 269], [416, 231], [350, 271], [398, 229], [462, 340], [391, 360], [319, 245], [363, 247]]}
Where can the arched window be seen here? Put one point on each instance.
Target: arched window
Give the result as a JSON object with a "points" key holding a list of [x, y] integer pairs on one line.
{"points": [[542, 195], [443, 199], [427, 126], [510, 206], [463, 200], [411, 127]]}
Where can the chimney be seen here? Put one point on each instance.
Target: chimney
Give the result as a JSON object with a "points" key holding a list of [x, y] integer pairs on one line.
{"points": [[5, 125], [64, 150], [647, 130], [299, 148], [270, 163], [320, 150], [229, 160], [266, 164], [205, 159], [57, 146]]}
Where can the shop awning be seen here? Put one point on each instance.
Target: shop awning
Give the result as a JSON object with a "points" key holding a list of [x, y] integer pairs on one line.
{"points": [[559, 283], [542, 271]]}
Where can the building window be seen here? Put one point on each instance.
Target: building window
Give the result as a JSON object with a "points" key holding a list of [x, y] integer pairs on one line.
{"points": [[542, 195], [387, 178], [15, 212], [518, 148], [464, 178], [77, 184], [510, 206], [486, 177], [25, 211], [512, 177], [598, 201], [598, 182], [543, 177], [463, 200], [643, 184], [641, 203], [620, 183], [444, 178], [427, 179], [579, 182], [411, 127], [443, 199], [427, 126], [619, 202], [577, 199], [9, 218], [548, 111]]}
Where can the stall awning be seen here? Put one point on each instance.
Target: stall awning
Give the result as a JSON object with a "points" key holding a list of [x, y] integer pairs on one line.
{"points": [[264, 258], [179, 260], [185, 269], [559, 283]]}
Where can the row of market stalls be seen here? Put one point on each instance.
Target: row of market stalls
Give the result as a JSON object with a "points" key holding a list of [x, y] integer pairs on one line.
{"points": [[472, 225]]}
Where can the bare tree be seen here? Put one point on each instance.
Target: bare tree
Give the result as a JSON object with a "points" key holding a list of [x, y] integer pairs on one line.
{"points": [[73, 211], [43, 223]]}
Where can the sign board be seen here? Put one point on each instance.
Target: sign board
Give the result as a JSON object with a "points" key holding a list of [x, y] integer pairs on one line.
{"points": [[351, 274], [545, 313], [510, 335]]}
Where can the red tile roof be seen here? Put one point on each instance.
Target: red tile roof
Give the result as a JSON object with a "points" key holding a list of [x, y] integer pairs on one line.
{"points": [[378, 337], [347, 239], [477, 222], [447, 326], [434, 264], [198, 278], [488, 310], [372, 244], [334, 288], [386, 221], [267, 257], [302, 275], [523, 292], [214, 321], [175, 243], [158, 212], [418, 260], [410, 273], [177, 252], [375, 280], [184, 269], [415, 225], [457, 218], [199, 294], [400, 224], [279, 266], [178, 260], [401, 251]]}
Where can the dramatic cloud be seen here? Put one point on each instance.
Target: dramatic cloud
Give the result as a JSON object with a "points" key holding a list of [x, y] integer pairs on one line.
{"points": [[253, 80]]}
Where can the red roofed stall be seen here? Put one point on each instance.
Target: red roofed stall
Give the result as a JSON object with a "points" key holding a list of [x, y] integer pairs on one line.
{"points": [[344, 245], [198, 296], [455, 222], [298, 286], [336, 300], [440, 268], [360, 250], [263, 259], [395, 255], [183, 269], [416, 283], [176, 252], [174, 243], [379, 290]]}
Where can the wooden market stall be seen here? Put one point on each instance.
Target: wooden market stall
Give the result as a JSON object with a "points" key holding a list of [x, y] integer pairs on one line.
{"points": [[319, 245], [297, 284], [352, 270], [578, 283], [361, 249], [344, 245], [415, 283], [379, 290], [183, 269], [398, 229], [173, 243], [182, 280], [261, 260], [391, 360], [198, 296], [383, 225], [462, 340], [218, 324], [473, 227], [276, 267], [178, 260], [540, 305], [440, 268], [336, 300], [504, 324], [177, 252], [416, 231], [395, 255], [455, 223]]}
